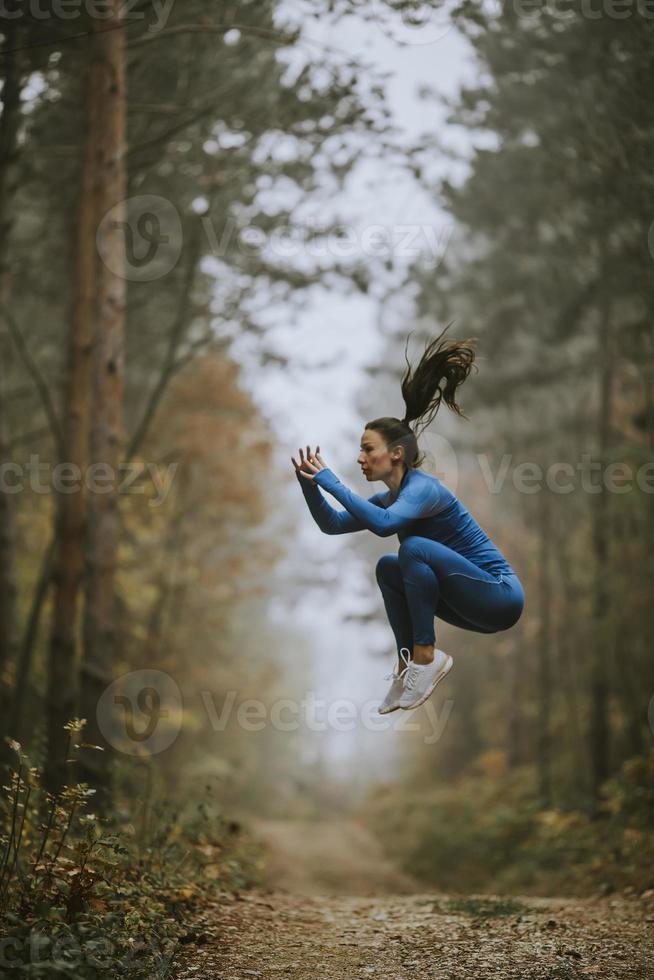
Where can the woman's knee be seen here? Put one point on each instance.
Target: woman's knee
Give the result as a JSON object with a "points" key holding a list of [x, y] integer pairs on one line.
{"points": [[386, 568], [514, 613], [410, 548], [518, 612]]}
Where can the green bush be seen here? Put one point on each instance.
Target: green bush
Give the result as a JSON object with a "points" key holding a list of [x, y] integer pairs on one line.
{"points": [[482, 834], [78, 899]]}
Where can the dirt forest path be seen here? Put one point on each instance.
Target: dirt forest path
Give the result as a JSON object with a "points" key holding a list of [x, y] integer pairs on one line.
{"points": [[333, 907], [331, 856]]}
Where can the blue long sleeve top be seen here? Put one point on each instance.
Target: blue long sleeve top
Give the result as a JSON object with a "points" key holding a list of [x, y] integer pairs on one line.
{"points": [[424, 506]]}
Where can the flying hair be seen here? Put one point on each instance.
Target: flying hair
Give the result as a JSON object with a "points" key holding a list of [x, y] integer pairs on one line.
{"points": [[443, 367]]}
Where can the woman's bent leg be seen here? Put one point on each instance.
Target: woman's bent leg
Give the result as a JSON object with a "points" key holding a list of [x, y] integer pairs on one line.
{"points": [[389, 578], [434, 574], [448, 615]]}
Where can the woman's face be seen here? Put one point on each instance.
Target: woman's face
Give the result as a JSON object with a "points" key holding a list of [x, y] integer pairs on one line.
{"points": [[374, 459]]}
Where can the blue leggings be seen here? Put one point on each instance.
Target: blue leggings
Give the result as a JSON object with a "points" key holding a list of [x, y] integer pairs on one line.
{"points": [[426, 579]]}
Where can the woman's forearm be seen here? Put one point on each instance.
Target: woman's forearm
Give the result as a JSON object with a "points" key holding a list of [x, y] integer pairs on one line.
{"points": [[373, 517], [329, 520]]}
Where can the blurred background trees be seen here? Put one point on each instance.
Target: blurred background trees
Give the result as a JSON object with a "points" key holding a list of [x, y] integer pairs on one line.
{"points": [[550, 266], [208, 135], [195, 124]]}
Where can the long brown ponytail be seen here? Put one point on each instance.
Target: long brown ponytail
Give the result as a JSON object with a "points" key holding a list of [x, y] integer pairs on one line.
{"points": [[443, 366]]}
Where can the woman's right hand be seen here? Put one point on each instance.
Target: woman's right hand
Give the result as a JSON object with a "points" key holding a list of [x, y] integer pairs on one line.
{"points": [[304, 467]]}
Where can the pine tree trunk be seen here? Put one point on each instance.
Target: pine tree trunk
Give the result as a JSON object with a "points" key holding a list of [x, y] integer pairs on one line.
{"points": [[568, 660], [107, 434], [516, 721], [8, 142], [599, 724], [8, 627], [18, 721], [544, 693], [71, 507]]}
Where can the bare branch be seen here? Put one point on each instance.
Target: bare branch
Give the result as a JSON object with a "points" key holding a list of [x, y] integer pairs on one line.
{"points": [[263, 32], [38, 379], [27, 437], [168, 367]]}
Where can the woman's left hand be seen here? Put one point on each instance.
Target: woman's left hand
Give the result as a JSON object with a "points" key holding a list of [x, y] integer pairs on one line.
{"points": [[311, 465]]}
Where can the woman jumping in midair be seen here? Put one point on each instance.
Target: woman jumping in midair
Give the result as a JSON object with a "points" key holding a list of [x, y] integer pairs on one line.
{"points": [[447, 566]]}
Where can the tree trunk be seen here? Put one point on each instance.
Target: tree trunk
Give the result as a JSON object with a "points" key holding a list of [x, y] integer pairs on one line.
{"points": [[8, 592], [8, 142], [568, 647], [544, 693], [107, 434], [68, 544], [599, 723], [16, 719], [516, 722], [626, 679]]}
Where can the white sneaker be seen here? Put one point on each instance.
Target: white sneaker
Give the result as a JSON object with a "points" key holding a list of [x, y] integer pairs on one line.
{"points": [[392, 700], [421, 679]]}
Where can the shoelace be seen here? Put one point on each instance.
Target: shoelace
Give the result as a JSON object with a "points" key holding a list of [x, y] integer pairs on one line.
{"points": [[410, 678], [395, 673], [414, 671]]}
